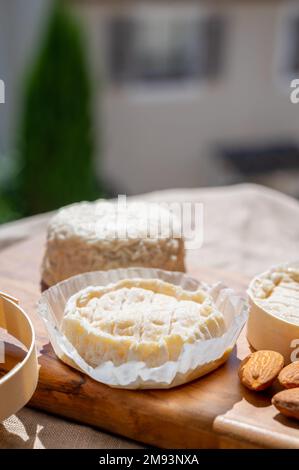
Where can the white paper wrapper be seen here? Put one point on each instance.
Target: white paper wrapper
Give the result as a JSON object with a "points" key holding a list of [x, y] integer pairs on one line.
{"points": [[195, 360]]}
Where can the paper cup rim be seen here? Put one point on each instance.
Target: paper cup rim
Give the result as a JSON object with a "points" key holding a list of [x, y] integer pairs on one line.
{"points": [[130, 269]]}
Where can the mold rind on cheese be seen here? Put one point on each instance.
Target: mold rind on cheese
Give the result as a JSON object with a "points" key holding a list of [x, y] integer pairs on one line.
{"points": [[145, 320], [84, 237]]}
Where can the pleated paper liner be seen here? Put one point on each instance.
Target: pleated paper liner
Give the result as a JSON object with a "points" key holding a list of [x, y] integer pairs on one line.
{"points": [[195, 360]]}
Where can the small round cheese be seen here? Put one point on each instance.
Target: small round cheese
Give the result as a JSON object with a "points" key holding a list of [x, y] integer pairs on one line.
{"points": [[139, 320], [103, 235], [277, 292]]}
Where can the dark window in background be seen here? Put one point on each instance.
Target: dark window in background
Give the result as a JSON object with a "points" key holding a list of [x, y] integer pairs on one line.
{"points": [[157, 50], [293, 46]]}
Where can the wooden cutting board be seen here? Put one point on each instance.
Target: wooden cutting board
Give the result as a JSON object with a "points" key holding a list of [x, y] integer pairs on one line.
{"points": [[214, 411]]}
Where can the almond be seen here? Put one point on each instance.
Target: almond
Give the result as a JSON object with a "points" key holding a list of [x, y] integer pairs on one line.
{"points": [[259, 370], [287, 402], [289, 376]]}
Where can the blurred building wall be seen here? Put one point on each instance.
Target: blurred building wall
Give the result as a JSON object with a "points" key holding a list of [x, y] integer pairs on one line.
{"points": [[165, 138], [20, 25], [159, 139]]}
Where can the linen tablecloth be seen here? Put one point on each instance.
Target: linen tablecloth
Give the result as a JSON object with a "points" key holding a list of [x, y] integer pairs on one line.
{"points": [[247, 228]]}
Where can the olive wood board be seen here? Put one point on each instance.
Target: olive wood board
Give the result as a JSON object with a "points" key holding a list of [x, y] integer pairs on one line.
{"points": [[212, 412]]}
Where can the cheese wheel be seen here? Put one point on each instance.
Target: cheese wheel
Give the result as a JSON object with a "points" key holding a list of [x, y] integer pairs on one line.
{"points": [[274, 311], [145, 320], [103, 235]]}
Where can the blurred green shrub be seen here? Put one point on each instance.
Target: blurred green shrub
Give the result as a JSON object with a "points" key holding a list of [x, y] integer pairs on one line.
{"points": [[8, 211], [56, 144], [8, 206]]}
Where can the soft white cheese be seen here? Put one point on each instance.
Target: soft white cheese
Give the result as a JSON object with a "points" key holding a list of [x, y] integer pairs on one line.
{"points": [[141, 320], [103, 235], [277, 292]]}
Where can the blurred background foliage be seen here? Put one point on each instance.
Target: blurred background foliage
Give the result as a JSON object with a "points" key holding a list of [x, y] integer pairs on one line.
{"points": [[55, 147]]}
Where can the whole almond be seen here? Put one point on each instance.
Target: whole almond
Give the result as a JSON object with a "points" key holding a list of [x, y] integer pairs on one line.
{"points": [[259, 370], [287, 402], [289, 376]]}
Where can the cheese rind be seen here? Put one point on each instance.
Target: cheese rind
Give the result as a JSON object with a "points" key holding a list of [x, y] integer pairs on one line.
{"points": [[145, 320], [102, 235]]}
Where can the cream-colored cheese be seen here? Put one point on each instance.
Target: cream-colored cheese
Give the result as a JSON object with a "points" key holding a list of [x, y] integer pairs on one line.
{"points": [[277, 292], [138, 319], [102, 235]]}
